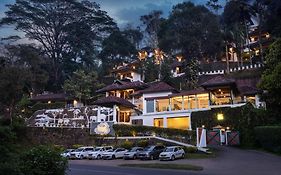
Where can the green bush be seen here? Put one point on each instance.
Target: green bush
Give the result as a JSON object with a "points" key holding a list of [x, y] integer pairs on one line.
{"points": [[190, 149], [127, 145], [143, 143], [269, 137], [43, 160], [131, 130], [76, 146]]}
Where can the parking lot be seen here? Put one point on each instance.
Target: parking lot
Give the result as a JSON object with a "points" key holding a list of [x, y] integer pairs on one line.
{"points": [[230, 161]]}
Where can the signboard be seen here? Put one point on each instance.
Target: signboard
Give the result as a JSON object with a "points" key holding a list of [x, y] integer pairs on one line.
{"points": [[102, 128]]}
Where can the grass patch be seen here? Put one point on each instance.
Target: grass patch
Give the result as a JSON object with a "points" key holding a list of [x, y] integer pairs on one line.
{"points": [[166, 166]]}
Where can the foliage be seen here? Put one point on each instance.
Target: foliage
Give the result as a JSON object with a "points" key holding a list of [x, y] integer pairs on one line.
{"points": [[271, 78], [192, 31], [115, 50], [82, 85], [76, 146], [143, 143], [152, 23], [151, 70], [190, 149], [39, 106], [127, 145], [130, 130], [43, 160], [269, 137], [67, 30], [242, 119]]}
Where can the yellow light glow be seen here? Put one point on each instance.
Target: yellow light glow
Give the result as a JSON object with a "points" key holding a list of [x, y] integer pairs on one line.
{"points": [[220, 116], [134, 67], [75, 102], [267, 35], [252, 39], [178, 123], [231, 49], [49, 102], [179, 58]]}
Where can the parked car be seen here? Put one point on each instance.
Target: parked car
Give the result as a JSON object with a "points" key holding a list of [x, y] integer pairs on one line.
{"points": [[81, 152], [133, 153], [151, 152], [66, 153], [114, 154], [172, 153], [98, 151]]}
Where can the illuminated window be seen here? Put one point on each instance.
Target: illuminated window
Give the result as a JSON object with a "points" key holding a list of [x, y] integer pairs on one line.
{"points": [[190, 102], [203, 100], [125, 116], [158, 122], [176, 103], [221, 96], [178, 122], [162, 105]]}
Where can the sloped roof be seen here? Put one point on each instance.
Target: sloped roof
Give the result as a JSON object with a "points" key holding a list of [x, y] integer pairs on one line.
{"points": [[157, 86], [50, 97], [112, 100], [121, 85], [218, 81], [190, 92]]}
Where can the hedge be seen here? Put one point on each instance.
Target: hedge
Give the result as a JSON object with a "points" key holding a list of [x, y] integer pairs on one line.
{"points": [[243, 119], [269, 137], [132, 130]]}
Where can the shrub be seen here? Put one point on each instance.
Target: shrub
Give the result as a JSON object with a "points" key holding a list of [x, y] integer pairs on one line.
{"points": [[142, 143], [42, 160], [269, 137], [127, 145], [190, 149], [76, 146]]}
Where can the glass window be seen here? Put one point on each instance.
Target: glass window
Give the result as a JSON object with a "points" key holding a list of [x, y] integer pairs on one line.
{"points": [[221, 96], [149, 106], [176, 103], [190, 102], [162, 105], [203, 100], [178, 122], [158, 122]]}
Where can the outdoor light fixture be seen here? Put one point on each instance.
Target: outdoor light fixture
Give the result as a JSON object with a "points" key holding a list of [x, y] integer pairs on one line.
{"points": [[203, 126], [49, 102], [220, 116], [142, 55]]}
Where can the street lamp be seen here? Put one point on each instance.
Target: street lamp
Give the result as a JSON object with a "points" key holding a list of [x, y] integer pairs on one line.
{"points": [[220, 116]]}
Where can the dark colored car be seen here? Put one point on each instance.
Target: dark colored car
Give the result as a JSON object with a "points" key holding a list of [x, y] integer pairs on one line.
{"points": [[151, 152]]}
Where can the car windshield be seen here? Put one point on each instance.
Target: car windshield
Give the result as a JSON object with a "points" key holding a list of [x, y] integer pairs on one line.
{"points": [[169, 150], [133, 150], [79, 149], [149, 148], [110, 150], [97, 149]]}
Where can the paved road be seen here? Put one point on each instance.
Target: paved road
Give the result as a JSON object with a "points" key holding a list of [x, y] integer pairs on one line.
{"points": [[230, 161]]}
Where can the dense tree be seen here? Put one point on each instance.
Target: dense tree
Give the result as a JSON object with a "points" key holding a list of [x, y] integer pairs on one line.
{"points": [[66, 29], [133, 35], [191, 30], [115, 50], [271, 78], [152, 23], [82, 85]]}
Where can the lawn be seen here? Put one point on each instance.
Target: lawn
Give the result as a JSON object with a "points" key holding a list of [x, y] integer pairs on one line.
{"points": [[166, 166]]}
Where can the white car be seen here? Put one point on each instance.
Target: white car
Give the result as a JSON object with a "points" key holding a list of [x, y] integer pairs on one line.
{"points": [[114, 154], [172, 153], [98, 151], [81, 152], [66, 153], [133, 153]]}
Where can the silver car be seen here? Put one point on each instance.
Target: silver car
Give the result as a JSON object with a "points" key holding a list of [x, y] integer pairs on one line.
{"points": [[133, 153], [172, 153]]}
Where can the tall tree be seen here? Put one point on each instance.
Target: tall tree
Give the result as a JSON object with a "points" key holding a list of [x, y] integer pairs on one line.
{"points": [[115, 50], [82, 85], [66, 29], [134, 35], [152, 23]]}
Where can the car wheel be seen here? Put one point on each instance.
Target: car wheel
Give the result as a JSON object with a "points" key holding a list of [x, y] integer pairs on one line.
{"points": [[151, 157], [182, 156], [173, 157], [81, 157], [134, 157], [113, 157], [99, 157]]}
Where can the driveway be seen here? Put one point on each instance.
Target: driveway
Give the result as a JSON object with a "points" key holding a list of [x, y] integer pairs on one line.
{"points": [[230, 161]]}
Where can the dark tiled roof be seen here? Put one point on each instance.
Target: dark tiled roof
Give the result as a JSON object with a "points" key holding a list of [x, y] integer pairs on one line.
{"points": [[158, 86], [50, 97], [190, 92], [121, 85], [248, 90], [248, 86], [218, 81], [112, 100]]}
